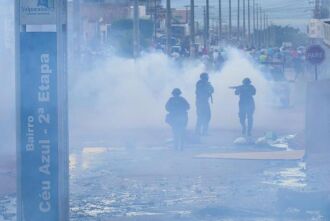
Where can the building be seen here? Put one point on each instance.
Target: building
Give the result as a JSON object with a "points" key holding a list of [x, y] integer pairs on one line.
{"points": [[91, 19]]}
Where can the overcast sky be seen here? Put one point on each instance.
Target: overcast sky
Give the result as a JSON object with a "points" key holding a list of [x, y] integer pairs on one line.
{"points": [[284, 12]]}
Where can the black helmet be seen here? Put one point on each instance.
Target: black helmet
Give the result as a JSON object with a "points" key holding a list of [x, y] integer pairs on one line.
{"points": [[176, 92], [204, 76], [246, 81]]}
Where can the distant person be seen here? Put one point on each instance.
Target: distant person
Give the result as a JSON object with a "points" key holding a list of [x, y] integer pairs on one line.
{"points": [[177, 117], [204, 91], [246, 92]]}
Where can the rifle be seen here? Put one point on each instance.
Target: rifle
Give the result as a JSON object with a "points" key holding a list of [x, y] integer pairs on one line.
{"points": [[235, 87]]}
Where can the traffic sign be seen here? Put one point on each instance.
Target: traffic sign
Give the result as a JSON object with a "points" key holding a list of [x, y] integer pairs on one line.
{"points": [[315, 54]]}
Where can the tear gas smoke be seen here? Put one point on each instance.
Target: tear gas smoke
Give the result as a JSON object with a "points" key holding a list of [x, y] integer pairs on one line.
{"points": [[7, 82], [124, 93]]}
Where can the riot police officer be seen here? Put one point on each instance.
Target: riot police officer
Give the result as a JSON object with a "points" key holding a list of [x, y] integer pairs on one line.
{"points": [[177, 117], [246, 92], [204, 91]]}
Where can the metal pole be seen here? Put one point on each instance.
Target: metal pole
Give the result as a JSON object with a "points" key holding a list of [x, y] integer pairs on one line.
{"points": [[257, 27], [62, 80], [220, 20], [155, 20], [230, 24], [316, 73], [244, 22], [168, 26], [187, 14], [254, 23], [268, 31], [249, 23], [238, 20], [192, 28], [192, 22], [317, 10], [207, 24], [260, 27], [136, 30], [207, 28], [265, 31]]}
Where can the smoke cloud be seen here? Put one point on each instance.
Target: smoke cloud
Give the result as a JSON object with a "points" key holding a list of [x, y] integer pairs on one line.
{"points": [[7, 76], [127, 93]]}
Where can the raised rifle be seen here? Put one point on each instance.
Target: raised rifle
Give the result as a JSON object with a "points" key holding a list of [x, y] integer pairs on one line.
{"points": [[235, 87]]}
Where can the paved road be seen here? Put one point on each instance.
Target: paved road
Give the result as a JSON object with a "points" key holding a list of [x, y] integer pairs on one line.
{"points": [[157, 183]]}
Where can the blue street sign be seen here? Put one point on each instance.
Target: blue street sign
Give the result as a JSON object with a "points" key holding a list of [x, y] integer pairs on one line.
{"points": [[39, 131]]}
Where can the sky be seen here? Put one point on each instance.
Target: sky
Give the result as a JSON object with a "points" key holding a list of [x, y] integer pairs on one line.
{"points": [[283, 12]]}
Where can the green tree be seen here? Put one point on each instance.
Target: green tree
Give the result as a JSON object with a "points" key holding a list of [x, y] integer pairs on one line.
{"points": [[121, 35], [282, 34]]}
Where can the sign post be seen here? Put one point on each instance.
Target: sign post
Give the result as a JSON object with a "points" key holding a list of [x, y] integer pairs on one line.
{"points": [[42, 124], [315, 54]]}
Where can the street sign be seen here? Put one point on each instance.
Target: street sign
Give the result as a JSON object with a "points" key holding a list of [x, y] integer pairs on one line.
{"points": [[39, 119], [42, 124], [315, 54]]}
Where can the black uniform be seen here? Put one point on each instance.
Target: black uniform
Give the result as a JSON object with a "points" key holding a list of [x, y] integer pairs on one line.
{"points": [[177, 117], [204, 91], [246, 106]]}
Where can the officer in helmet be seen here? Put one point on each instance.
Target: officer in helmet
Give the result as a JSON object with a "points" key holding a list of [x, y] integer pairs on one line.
{"points": [[177, 117], [246, 92], [204, 91]]}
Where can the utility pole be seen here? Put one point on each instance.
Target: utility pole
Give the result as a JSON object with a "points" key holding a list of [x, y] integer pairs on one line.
{"points": [[230, 24], [254, 23], [249, 23], [261, 27], [257, 27], [244, 21], [238, 20], [268, 32], [317, 10], [220, 20], [187, 14], [192, 29], [168, 26], [207, 24], [155, 20], [271, 34], [192, 23], [136, 30], [265, 31]]}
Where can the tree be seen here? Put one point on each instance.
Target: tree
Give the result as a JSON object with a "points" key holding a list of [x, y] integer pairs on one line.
{"points": [[282, 34], [121, 35]]}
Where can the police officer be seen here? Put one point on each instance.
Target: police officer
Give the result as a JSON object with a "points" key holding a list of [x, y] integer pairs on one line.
{"points": [[177, 117], [204, 91], [246, 105]]}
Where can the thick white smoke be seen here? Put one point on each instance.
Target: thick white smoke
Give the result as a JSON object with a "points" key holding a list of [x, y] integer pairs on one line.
{"points": [[7, 77], [124, 93]]}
